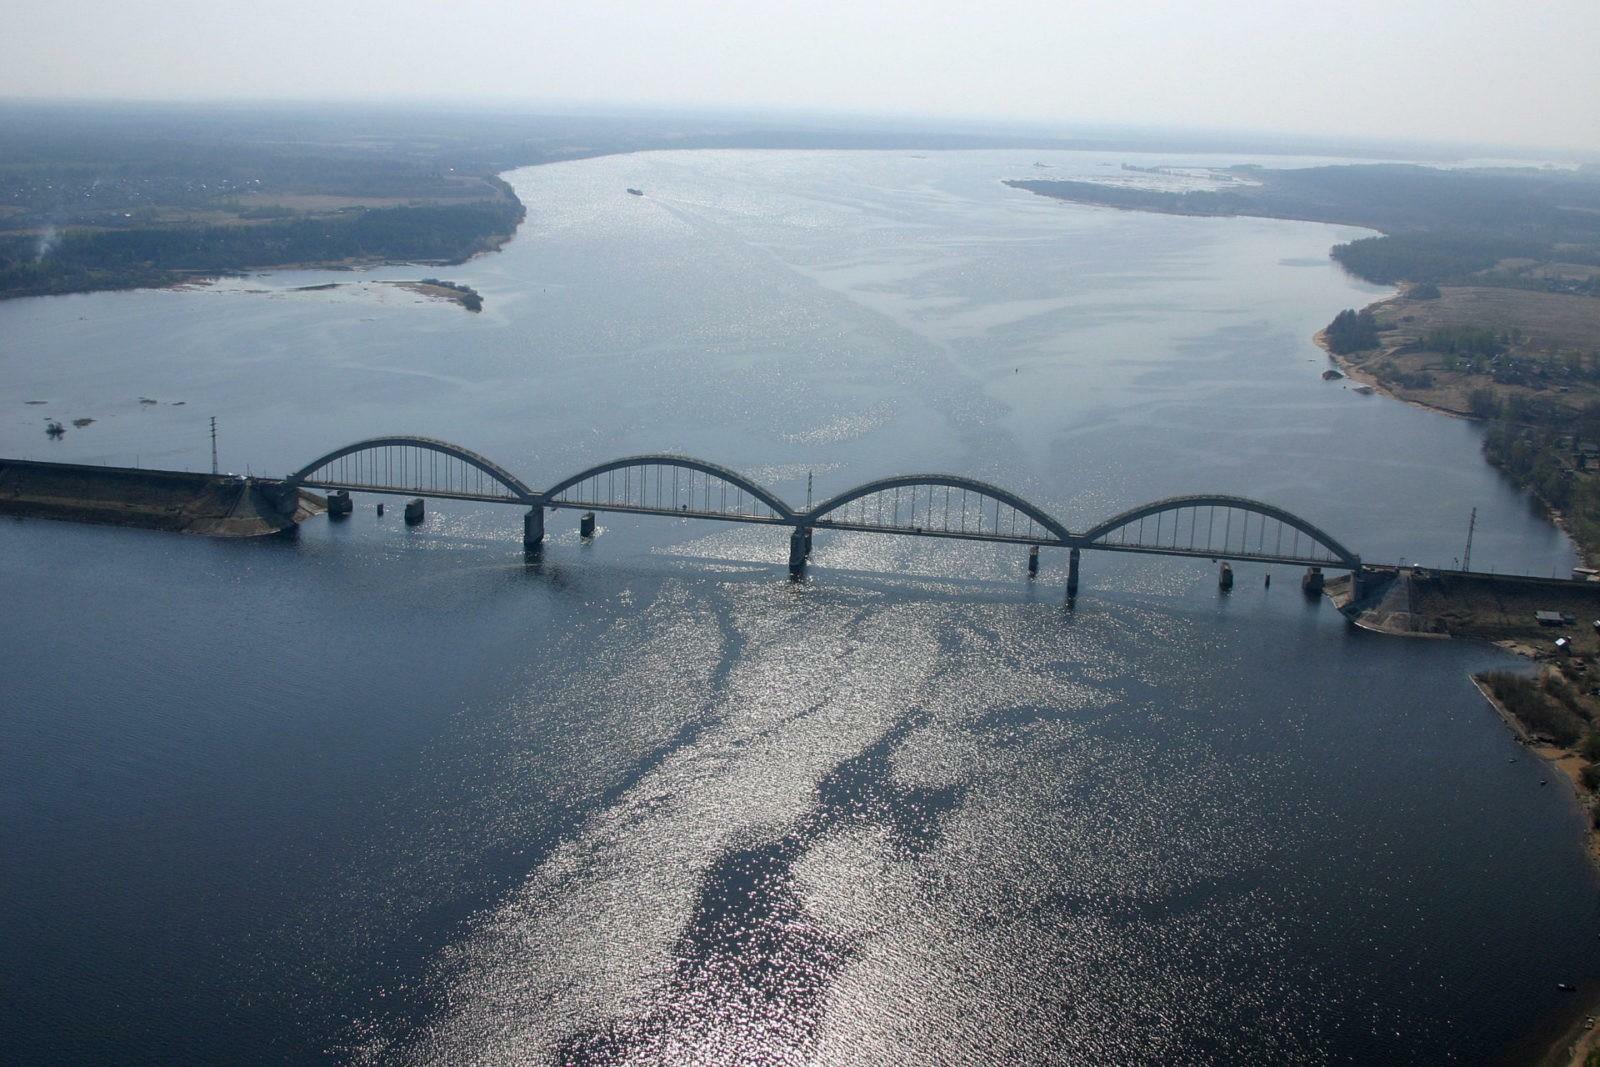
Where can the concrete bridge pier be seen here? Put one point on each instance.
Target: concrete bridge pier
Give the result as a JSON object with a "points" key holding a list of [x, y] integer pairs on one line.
{"points": [[533, 527], [1072, 572], [586, 526], [1311, 583], [797, 552], [808, 542], [1033, 560]]}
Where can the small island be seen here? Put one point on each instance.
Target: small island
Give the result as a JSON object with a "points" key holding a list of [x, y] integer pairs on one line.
{"points": [[465, 295]]}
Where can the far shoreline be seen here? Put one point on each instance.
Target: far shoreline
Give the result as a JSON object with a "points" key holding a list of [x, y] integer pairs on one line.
{"points": [[489, 243], [495, 243]]}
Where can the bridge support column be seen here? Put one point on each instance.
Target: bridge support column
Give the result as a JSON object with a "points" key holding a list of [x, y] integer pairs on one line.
{"points": [[1033, 560], [1312, 582], [339, 504], [797, 553], [1072, 573], [1355, 582], [1225, 577], [808, 542], [586, 526], [533, 527]]}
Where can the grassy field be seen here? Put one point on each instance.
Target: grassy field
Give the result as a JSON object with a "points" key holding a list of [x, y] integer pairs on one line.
{"points": [[1554, 336]]}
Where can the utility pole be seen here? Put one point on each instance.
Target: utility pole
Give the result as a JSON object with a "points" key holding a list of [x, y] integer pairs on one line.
{"points": [[808, 490], [1466, 557], [213, 444]]}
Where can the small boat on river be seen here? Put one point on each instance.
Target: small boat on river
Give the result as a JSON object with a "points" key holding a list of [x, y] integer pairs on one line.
{"points": [[635, 192]]}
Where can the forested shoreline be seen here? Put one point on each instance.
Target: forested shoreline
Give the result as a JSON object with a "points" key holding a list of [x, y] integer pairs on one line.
{"points": [[84, 260], [1491, 226]]}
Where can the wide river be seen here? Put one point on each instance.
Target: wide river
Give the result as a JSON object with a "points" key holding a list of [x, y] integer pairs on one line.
{"points": [[390, 794]]}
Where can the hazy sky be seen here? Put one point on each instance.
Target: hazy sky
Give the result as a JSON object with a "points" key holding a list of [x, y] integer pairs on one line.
{"points": [[1524, 73]]}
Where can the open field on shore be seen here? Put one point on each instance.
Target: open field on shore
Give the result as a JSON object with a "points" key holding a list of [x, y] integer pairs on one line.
{"points": [[1554, 327], [1550, 321]]}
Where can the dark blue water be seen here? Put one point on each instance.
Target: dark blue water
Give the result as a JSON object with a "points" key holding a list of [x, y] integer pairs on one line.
{"points": [[390, 794]]}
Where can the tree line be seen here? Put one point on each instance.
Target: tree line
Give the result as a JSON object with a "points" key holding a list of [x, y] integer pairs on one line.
{"points": [[115, 259], [1351, 331]]}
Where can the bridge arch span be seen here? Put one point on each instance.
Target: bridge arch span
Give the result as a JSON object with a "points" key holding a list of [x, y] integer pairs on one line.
{"points": [[1235, 538], [358, 465], [685, 495], [936, 513]]}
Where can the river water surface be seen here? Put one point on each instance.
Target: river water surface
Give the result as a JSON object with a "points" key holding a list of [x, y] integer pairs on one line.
{"points": [[394, 794]]}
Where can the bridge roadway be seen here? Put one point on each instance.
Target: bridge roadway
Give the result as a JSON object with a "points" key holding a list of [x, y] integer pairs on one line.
{"points": [[1208, 526]]}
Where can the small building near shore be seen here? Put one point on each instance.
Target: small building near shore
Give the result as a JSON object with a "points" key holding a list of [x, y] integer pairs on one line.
{"points": [[1550, 618]]}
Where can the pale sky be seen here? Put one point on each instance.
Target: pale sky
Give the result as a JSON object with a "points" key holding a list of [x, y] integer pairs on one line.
{"points": [[1486, 71]]}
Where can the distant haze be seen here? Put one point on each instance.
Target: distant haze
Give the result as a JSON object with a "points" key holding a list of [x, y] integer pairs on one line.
{"points": [[1496, 72]]}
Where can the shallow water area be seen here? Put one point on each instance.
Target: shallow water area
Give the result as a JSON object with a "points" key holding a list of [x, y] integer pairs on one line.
{"points": [[396, 794]]}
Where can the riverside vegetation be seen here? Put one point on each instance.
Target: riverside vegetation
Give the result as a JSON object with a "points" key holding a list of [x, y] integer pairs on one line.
{"points": [[160, 255], [115, 198]]}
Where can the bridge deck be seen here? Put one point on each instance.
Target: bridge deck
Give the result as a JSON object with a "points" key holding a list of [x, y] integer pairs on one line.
{"points": [[668, 513], [424, 491], [1041, 539], [1232, 555]]}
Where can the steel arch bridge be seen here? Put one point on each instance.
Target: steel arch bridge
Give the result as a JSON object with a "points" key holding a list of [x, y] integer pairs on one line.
{"points": [[1249, 530], [402, 465], [1210, 526], [660, 483]]}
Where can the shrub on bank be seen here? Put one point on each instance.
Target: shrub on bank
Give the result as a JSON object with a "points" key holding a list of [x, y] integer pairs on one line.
{"points": [[1566, 694], [1526, 699], [1590, 749], [1483, 403]]}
